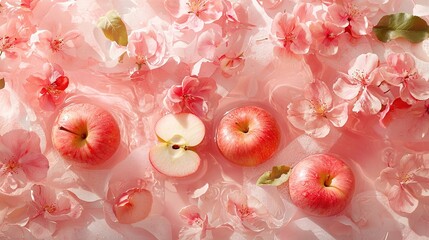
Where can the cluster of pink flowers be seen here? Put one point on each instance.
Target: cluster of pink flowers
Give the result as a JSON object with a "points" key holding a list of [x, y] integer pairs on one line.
{"points": [[198, 56]]}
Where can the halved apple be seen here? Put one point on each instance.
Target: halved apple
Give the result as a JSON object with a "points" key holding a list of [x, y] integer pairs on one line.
{"points": [[178, 134]]}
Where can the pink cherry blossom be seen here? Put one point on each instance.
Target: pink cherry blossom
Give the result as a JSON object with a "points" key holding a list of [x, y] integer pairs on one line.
{"points": [[12, 38], [401, 72], [359, 85], [325, 37], [270, 4], [247, 212], [194, 14], [21, 160], [196, 95], [290, 33], [316, 112], [404, 182], [49, 86], [198, 227], [50, 207], [349, 16], [147, 47], [57, 37]]}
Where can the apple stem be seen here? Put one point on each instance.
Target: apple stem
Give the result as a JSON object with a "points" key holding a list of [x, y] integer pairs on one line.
{"points": [[83, 135], [243, 127], [328, 181]]}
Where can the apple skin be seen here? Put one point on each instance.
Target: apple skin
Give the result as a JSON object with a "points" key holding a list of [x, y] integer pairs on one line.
{"points": [[85, 134], [248, 136], [321, 185]]}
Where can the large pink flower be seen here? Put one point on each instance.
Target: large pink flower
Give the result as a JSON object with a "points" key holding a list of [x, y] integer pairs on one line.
{"points": [[360, 85], [50, 207], [49, 86], [21, 160], [401, 71], [194, 14], [404, 182], [196, 95], [290, 33], [316, 112], [147, 47]]}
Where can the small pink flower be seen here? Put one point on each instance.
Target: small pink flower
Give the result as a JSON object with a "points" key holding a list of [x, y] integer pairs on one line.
{"points": [[195, 94], [198, 227], [349, 16], [359, 85], [316, 112], [21, 160], [401, 72], [194, 14], [50, 86], [290, 34], [147, 47], [246, 211], [325, 37], [404, 181], [50, 207]]}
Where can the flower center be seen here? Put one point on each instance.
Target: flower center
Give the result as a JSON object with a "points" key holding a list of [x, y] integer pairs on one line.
{"points": [[244, 211], [319, 108], [197, 6], [57, 44], [360, 76], [352, 11], [405, 178], [12, 166], [6, 42], [50, 208]]}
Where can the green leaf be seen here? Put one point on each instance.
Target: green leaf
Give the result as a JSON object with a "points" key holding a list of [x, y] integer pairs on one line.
{"points": [[412, 28], [114, 28], [2, 83], [276, 177]]}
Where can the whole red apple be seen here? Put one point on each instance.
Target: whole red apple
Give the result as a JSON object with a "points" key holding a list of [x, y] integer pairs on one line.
{"points": [[248, 136], [85, 134], [321, 185]]}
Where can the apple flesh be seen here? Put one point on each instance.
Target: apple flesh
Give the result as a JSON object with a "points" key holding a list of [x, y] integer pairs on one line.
{"points": [[85, 134], [133, 206], [321, 185], [174, 155], [248, 136]]}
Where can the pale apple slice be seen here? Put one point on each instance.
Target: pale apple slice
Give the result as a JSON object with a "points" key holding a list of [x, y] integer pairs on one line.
{"points": [[183, 125], [133, 206], [174, 160]]}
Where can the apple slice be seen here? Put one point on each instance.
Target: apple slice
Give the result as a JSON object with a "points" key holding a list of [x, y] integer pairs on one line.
{"points": [[133, 206], [173, 155], [182, 125]]}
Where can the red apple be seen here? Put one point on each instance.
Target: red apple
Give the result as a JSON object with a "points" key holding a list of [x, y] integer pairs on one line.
{"points": [[248, 136], [321, 185], [133, 206], [85, 134], [174, 155]]}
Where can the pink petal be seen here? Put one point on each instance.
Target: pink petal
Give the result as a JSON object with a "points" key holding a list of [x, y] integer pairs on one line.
{"points": [[345, 90], [367, 103], [61, 83], [365, 63], [35, 166], [319, 91], [318, 128], [401, 200], [338, 115]]}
